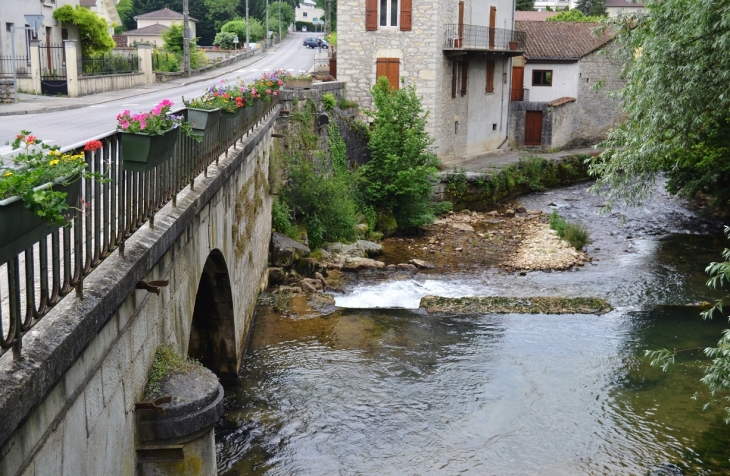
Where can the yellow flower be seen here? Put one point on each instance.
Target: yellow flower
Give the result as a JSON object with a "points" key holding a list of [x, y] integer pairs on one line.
{"points": [[54, 152], [53, 162], [7, 174], [78, 157]]}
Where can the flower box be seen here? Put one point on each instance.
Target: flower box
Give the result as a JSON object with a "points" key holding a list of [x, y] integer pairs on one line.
{"points": [[27, 227], [298, 83], [203, 120], [513, 45], [142, 152], [233, 115]]}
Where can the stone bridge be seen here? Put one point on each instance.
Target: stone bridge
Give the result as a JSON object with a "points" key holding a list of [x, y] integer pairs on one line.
{"points": [[67, 405]]}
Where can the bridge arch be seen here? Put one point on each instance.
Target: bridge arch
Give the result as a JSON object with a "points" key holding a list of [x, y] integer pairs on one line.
{"points": [[213, 329]]}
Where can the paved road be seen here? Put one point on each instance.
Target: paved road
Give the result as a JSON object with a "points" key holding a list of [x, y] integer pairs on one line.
{"points": [[65, 128]]}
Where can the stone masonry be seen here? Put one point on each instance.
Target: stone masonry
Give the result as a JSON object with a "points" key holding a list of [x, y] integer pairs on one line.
{"points": [[7, 93]]}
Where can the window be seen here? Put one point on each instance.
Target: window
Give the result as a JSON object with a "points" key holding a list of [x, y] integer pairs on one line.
{"points": [[390, 68], [304, 14], [490, 77], [388, 13], [541, 77], [9, 27]]}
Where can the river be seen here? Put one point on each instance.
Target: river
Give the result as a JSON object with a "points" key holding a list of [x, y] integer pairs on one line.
{"points": [[377, 387]]}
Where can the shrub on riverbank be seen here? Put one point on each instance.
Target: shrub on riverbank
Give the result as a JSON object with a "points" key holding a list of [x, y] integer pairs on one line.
{"points": [[574, 233]]}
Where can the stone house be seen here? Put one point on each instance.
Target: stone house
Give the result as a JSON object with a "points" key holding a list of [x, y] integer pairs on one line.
{"points": [[12, 14], [456, 53], [553, 103], [151, 26]]}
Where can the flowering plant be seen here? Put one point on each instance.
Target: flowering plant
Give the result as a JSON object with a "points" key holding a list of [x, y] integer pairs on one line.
{"points": [[38, 164], [225, 96], [156, 122]]}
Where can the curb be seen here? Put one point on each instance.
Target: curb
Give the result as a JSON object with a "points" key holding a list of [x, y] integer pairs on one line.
{"points": [[79, 106]]}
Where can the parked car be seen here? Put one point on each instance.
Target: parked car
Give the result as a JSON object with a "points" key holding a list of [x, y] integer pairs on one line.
{"points": [[314, 43]]}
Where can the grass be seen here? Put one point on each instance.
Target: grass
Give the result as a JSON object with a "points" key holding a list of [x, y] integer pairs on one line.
{"points": [[167, 362], [574, 233]]}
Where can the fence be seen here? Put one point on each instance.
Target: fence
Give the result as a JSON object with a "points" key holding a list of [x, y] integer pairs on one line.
{"points": [[32, 282], [22, 66], [112, 64], [483, 38], [164, 61]]}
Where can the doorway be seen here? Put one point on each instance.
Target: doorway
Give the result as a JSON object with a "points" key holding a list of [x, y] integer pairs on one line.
{"points": [[533, 128]]}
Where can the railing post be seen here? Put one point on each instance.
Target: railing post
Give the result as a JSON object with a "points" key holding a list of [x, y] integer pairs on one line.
{"points": [[72, 72], [35, 66], [14, 290]]}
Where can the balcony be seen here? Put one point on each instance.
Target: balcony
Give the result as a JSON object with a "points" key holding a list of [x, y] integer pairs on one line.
{"points": [[482, 40]]}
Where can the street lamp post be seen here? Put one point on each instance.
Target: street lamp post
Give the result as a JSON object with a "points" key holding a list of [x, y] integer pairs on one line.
{"points": [[267, 23]]}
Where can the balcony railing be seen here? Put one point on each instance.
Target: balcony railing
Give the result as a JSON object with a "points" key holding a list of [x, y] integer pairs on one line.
{"points": [[35, 280], [483, 38], [520, 94]]}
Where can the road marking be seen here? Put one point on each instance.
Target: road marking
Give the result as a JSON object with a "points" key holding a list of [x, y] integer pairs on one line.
{"points": [[254, 70], [99, 105]]}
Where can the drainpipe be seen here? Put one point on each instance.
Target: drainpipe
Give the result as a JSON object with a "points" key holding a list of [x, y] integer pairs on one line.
{"points": [[509, 83]]}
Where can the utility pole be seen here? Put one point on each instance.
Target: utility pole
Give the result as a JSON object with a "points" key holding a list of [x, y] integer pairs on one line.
{"points": [[267, 23], [329, 19], [248, 39], [279, 20], [186, 38]]}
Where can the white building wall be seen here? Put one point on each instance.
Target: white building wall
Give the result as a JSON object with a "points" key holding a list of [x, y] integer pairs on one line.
{"points": [[167, 23], [486, 127], [300, 12], [541, 5], [615, 11], [13, 11], [565, 81]]}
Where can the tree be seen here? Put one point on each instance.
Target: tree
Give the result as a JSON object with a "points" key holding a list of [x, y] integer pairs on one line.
{"points": [[287, 13], [399, 177], [219, 12], [592, 7], [239, 28], [124, 8], [93, 29], [525, 5], [575, 16], [676, 101]]}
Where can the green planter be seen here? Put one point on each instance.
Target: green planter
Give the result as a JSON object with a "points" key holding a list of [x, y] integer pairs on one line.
{"points": [[22, 228], [143, 152], [232, 115], [203, 120]]}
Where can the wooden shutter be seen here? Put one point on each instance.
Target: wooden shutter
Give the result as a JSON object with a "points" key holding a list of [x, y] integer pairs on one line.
{"points": [[464, 73], [390, 68], [492, 25], [406, 15], [490, 77], [371, 15]]}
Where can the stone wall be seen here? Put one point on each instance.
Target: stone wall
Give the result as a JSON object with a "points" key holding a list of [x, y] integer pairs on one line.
{"points": [[7, 92], [68, 406]]}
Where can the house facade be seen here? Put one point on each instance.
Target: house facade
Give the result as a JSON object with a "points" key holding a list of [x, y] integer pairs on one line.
{"points": [[554, 102], [306, 11], [151, 26], [12, 13], [542, 5], [456, 53], [621, 7]]}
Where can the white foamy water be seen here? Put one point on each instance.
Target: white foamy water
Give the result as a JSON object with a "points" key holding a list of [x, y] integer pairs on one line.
{"points": [[406, 294]]}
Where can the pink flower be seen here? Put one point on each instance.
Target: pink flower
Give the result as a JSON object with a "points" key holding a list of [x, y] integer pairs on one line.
{"points": [[125, 124], [268, 91], [281, 83], [157, 110], [275, 93]]}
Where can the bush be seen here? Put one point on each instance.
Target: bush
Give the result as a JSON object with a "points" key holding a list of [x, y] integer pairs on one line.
{"points": [[224, 39], [238, 27], [329, 101], [281, 218], [400, 175], [575, 234]]}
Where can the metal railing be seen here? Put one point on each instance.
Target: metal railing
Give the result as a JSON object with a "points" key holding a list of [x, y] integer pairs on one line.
{"points": [[35, 280], [111, 64], [22, 66], [520, 94], [164, 61], [483, 38]]}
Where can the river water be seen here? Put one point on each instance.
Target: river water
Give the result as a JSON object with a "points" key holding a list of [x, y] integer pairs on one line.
{"points": [[377, 387]]}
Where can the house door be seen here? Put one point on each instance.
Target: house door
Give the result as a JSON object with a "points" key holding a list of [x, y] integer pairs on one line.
{"points": [[533, 128], [518, 91]]}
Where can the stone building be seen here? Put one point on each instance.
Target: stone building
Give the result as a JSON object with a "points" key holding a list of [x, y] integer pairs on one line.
{"points": [[456, 53], [554, 102], [12, 14]]}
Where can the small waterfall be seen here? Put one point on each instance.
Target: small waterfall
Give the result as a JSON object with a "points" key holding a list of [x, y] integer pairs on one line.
{"points": [[406, 294]]}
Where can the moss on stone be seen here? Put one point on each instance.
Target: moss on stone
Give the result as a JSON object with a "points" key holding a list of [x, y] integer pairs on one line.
{"points": [[512, 305]]}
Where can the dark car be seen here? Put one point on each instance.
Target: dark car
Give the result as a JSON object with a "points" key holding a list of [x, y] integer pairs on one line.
{"points": [[314, 43]]}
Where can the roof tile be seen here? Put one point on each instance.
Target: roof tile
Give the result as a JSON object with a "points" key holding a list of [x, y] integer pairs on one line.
{"points": [[560, 40], [164, 14], [533, 16], [155, 29]]}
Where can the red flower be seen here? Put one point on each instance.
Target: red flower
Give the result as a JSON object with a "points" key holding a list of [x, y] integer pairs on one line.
{"points": [[93, 145], [239, 102], [20, 136], [226, 96], [30, 140]]}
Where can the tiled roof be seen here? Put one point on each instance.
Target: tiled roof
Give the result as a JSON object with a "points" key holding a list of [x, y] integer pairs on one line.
{"points": [[533, 16], [152, 30], [560, 40], [561, 101], [623, 4], [164, 14]]}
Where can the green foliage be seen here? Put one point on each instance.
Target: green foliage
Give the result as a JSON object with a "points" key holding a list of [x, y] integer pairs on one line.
{"points": [[328, 101], [173, 39], [338, 150], [400, 175], [457, 184], [239, 28], [281, 218], [166, 62], [574, 233], [224, 40], [325, 204], [167, 362], [93, 29], [525, 5], [676, 102], [345, 104], [287, 13], [575, 16], [218, 12], [592, 7], [124, 7]]}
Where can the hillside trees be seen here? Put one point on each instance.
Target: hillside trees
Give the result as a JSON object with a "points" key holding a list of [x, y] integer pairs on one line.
{"points": [[592, 7], [525, 5]]}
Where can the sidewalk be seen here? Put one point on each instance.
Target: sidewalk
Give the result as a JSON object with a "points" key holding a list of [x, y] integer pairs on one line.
{"points": [[496, 160], [37, 104]]}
